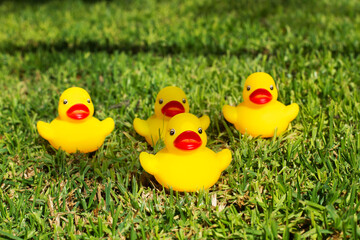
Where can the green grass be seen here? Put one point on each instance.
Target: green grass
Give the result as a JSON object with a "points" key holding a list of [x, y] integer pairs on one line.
{"points": [[304, 184]]}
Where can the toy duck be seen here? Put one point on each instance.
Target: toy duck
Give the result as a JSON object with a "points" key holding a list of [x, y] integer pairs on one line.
{"points": [[185, 164], [260, 114], [170, 101], [75, 129]]}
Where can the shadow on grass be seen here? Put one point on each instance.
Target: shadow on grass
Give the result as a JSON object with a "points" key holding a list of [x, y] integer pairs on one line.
{"points": [[40, 2], [257, 10], [160, 49], [127, 47]]}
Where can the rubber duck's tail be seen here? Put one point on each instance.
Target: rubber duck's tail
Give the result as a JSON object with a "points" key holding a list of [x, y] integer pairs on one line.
{"points": [[108, 125], [45, 130], [224, 157], [205, 122], [149, 163], [292, 111], [230, 113], [141, 127]]}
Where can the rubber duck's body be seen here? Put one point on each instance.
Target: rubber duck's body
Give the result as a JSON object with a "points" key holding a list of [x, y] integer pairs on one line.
{"points": [[170, 101], [185, 164], [260, 114], [75, 129]]}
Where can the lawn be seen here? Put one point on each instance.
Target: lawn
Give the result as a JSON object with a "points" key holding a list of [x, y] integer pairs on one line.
{"points": [[303, 184]]}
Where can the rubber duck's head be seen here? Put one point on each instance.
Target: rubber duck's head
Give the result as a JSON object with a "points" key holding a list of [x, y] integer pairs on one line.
{"points": [[259, 89], [171, 101], [75, 105], [185, 133]]}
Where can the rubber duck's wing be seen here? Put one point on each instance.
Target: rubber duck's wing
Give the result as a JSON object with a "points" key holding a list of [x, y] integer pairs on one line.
{"points": [[45, 130], [292, 111], [224, 157], [108, 125], [205, 122], [230, 113], [141, 127], [149, 163]]}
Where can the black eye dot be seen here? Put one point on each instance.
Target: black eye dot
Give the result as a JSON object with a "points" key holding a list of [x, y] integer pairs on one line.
{"points": [[65, 101], [161, 101], [172, 131], [248, 88], [88, 100], [184, 100], [200, 130], [271, 87]]}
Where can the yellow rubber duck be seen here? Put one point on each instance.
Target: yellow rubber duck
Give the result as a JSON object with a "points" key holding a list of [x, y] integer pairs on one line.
{"points": [[185, 164], [75, 129], [170, 101], [260, 113]]}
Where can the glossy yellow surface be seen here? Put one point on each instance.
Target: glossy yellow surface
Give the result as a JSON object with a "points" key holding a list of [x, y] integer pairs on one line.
{"points": [[186, 170], [260, 119], [153, 128], [85, 135]]}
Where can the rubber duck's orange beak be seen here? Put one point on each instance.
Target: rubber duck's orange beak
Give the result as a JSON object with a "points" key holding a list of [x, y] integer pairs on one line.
{"points": [[172, 108], [188, 140], [260, 96], [78, 112]]}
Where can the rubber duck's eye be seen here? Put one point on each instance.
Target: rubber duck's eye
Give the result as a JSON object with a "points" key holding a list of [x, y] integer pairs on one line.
{"points": [[161, 101], [88, 100], [200, 130], [65, 101], [184, 100], [271, 87], [172, 131], [248, 88]]}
